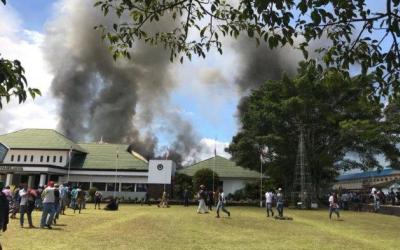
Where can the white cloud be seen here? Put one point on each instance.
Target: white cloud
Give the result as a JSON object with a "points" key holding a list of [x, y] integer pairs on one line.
{"points": [[25, 45]]}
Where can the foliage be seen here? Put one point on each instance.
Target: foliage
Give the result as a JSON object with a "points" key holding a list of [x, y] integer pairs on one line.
{"points": [[353, 32], [205, 177], [339, 115], [182, 182], [13, 82]]}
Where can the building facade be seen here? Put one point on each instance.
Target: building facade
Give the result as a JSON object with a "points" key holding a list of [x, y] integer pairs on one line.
{"points": [[365, 180], [36, 156], [231, 176]]}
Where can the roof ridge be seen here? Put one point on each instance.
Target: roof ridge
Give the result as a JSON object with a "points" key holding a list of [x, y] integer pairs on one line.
{"points": [[207, 160]]}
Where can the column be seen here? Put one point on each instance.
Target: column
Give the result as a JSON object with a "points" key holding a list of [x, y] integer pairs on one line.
{"points": [[31, 179], [42, 180], [120, 187], [9, 178]]}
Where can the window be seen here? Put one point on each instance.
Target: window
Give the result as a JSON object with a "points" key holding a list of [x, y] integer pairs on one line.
{"points": [[101, 186], [48, 159], [54, 158], [128, 187], [41, 158], [25, 158], [31, 158], [19, 158], [110, 187], [141, 187], [61, 158], [84, 185], [12, 157]]}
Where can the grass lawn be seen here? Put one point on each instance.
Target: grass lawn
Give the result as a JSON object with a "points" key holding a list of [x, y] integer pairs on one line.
{"points": [[149, 227]]}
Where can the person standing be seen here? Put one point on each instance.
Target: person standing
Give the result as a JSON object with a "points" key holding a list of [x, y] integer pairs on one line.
{"points": [[210, 200], [74, 197], [377, 203], [63, 197], [333, 205], [32, 194], [221, 203], [392, 196], [23, 205], [269, 197], [56, 202], [48, 206], [97, 199], [4, 209], [186, 197], [202, 197], [279, 202]]}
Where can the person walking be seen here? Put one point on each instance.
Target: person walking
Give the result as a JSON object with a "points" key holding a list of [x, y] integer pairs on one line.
{"points": [[221, 203], [97, 199], [333, 205], [48, 206], [269, 197], [202, 196], [279, 202], [164, 200]]}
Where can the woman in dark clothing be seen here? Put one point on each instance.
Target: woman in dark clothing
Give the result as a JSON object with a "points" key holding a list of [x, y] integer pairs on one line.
{"points": [[4, 210]]}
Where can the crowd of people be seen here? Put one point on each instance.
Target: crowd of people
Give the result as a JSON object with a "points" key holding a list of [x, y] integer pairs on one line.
{"points": [[51, 199], [207, 201]]}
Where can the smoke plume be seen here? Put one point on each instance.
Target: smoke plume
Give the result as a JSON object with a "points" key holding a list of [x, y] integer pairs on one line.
{"points": [[100, 97]]}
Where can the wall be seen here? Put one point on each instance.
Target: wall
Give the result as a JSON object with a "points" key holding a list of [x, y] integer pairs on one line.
{"points": [[231, 185], [36, 157]]}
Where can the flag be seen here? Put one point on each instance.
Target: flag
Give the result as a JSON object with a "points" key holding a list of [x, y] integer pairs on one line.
{"points": [[215, 147], [167, 154]]}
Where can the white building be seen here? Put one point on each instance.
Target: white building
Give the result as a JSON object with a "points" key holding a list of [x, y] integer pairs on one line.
{"points": [[36, 156], [231, 176]]}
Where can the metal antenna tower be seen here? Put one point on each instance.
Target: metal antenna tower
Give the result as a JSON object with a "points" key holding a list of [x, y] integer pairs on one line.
{"points": [[302, 189]]}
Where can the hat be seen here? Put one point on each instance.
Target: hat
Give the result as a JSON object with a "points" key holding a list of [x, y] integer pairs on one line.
{"points": [[51, 183]]}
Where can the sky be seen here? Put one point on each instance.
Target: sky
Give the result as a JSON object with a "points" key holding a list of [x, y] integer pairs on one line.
{"points": [[210, 107]]}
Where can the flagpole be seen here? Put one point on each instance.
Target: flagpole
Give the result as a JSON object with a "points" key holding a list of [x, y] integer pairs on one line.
{"points": [[215, 156], [116, 172], [261, 179], [69, 163]]}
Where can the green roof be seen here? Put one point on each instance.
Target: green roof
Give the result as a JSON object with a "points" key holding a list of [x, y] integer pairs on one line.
{"points": [[223, 167], [103, 156], [38, 139]]}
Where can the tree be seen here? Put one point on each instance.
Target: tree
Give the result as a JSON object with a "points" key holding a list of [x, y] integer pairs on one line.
{"points": [[354, 33], [205, 177], [182, 182], [13, 82], [344, 125]]}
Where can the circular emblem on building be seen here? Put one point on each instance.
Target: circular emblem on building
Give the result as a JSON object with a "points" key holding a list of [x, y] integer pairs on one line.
{"points": [[160, 167]]}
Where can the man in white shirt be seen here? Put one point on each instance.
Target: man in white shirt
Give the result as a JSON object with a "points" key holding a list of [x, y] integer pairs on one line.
{"points": [[269, 197], [221, 203], [49, 208], [23, 205]]}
